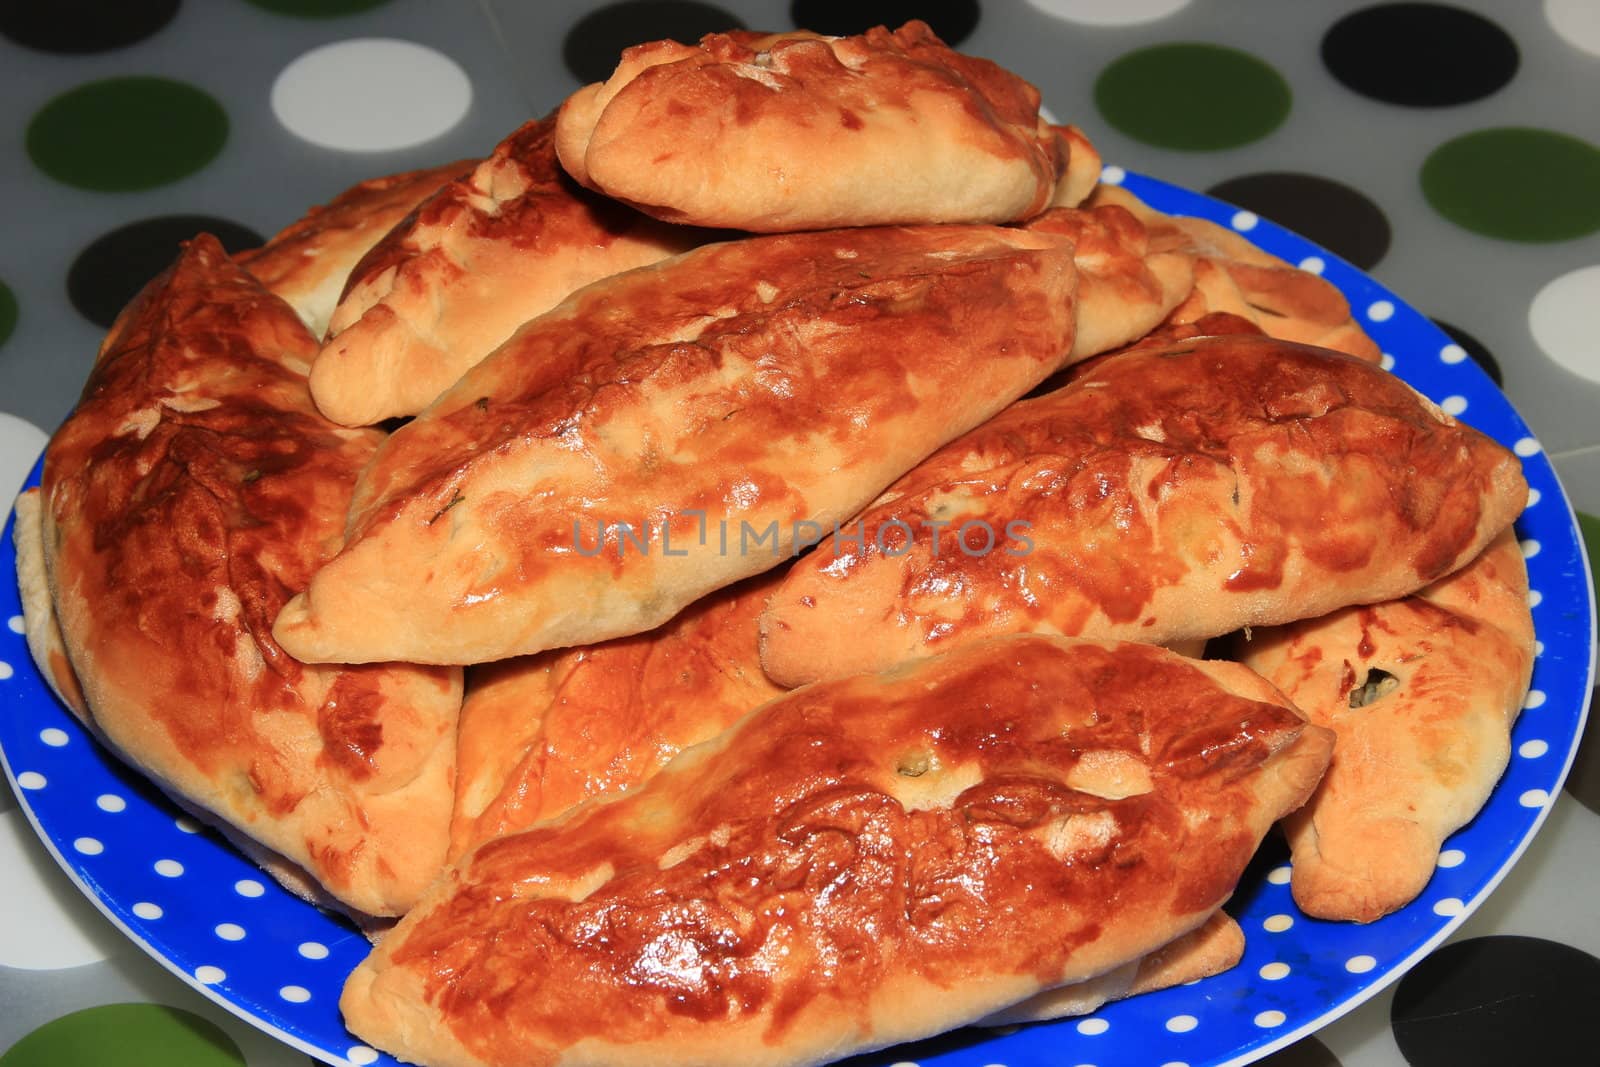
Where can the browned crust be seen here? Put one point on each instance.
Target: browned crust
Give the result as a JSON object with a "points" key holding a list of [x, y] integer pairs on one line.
{"points": [[190, 490], [860, 863]]}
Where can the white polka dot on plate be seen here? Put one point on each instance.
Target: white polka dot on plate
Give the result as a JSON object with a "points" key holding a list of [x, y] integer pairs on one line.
{"points": [[905, 1063], [53, 737], [1448, 906], [1272, 972], [313, 950], [1380, 311], [1280, 875], [1534, 798], [249, 887], [1386, 361], [1360, 964], [6, 670], [1534, 699], [146, 910], [1450, 857], [1532, 749], [1174, 1063], [1562, 319], [1182, 1024], [1526, 446], [371, 94], [1453, 405], [210, 975], [361, 1055], [1112, 174], [1313, 265], [110, 802], [1577, 21], [295, 994], [1452, 353], [88, 846], [1093, 1027], [1268, 1019], [1277, 924], [31, 780], [1534, 496], [1110, 12], [16, 625], [229, 931], [1538, 648], [186, 824], [1244, 221], [169, 868], [1535, 598], [1530, 548]]}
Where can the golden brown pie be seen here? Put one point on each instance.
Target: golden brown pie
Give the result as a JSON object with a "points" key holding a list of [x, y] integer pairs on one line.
{"points": [[742, 397], [307, 262], [796, 131], [1168, 494], [862, 862], [1422, 693], [499, 245], [192, 489], [39, 625]]}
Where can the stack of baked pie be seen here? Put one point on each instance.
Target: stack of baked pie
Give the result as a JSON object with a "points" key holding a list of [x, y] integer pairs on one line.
{"points": [[829, 492]]}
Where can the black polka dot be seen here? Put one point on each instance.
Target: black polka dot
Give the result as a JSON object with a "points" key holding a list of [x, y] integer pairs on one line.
{"points": [[952, 20], [112, 269], [1420, 55], [1498, 1000], [80, 27], [595, 42], [1474, 347], [1307, 1052], [1335, 216]]}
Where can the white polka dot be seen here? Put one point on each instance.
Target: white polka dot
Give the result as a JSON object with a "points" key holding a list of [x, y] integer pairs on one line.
{"points": [[1538, 648], [1534, 798], [169, 868], [31, 780], [1534, 496], [1530, 548], [249, 887], [313, 950], [1093, 1027], [45, 924], [89, 846], [1535, 598], [5, 670], [1577, 21], [229, 931], [146, 910], [1313, 265], [1534, 699], [1360, 964], [1110, 12], [1174, 1063], [1268, 1019], [1450, 857], [1448, 906], [53, 737], [1280, 875], [1244, 221], [295, 994], [20, 444], [1526, 447], [1453, 405], [1182, 1024], [1386, 361], [1380, 311], [1562, 319], [361, 1055], [371, 94], [1112, 174], [16, 624], [1532, 749], [209, 975], [186, 824], [1452, 353], [905, 1063], [1277, 924], [110, 802], [1272, 972]]}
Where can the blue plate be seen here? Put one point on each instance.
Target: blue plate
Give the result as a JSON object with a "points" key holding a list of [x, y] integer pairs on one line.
{"points": [[216, 921]]}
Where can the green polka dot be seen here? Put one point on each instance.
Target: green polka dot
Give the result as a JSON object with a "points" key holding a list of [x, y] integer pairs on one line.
{"points": [[125, 134], [1590, 527], [8, 312], [1516, 183], [1193, 97], [312, 9], [126, 1035]]}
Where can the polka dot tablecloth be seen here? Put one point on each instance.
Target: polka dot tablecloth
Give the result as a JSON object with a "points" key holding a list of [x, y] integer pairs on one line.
{"points": [[1451, 151]]}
